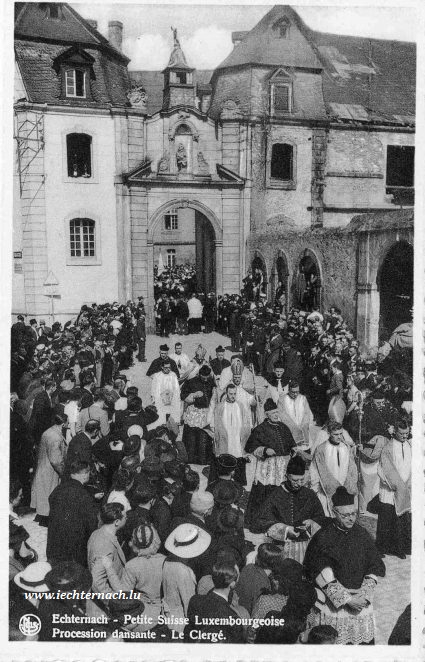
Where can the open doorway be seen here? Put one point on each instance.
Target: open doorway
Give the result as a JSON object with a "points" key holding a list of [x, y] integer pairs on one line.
{"points": [[307, 282], [184, 253], [395, 284]]}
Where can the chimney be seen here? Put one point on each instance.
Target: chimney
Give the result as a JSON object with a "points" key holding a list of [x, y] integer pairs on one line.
{"points": [[92, 22], [115, 34]]}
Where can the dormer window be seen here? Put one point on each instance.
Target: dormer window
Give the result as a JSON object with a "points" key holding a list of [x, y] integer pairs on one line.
{"points": [[75, 66], [282, 27], [75, 83], [53, 10]]}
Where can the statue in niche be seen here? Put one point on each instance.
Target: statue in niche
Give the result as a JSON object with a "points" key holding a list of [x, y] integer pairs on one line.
{"points": [[164, 164], [203, 168], [181, 158]]}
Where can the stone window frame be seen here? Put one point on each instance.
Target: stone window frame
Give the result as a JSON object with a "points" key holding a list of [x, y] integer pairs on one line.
{"points": [[174, 220], [75, 71], [79, 143], [171, 253], [273, 87], [94, 178], [391, 188], [272, 182], [82, 261], [281, 77]]}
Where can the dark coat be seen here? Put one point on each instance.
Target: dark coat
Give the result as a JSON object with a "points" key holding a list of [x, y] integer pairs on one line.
{"points": [[161, 518], [212, 606], [80, 447], [218, 366], [140, 329], [156, 364], [125, 419], [42, 415], [72, 520]]}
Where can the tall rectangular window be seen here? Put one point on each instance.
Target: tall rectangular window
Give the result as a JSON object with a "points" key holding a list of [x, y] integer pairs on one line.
{"points": [[281, 99], [78, 152], [171, 220], [82, 237], [281, 166], [75, 83], [400, 167], [171, 257]]}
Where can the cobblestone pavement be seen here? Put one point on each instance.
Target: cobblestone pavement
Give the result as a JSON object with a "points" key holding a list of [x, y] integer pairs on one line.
{"points": [[393, 592]]}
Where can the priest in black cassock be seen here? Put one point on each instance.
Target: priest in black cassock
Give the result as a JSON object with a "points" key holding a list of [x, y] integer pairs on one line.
{"points": [[293, 510], [271, 442], [343, 561]]}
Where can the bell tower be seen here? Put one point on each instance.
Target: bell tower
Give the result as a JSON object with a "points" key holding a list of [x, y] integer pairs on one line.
{"points": [[179, 87]]}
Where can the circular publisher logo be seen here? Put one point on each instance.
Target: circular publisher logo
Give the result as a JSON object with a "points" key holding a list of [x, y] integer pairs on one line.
{"points": [[29, 625]]}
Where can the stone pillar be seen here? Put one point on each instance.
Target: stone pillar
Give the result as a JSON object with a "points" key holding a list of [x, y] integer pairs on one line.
{"points": [[319, 141], [219, 266], [368, 305], [149, 299], [231, 146]]}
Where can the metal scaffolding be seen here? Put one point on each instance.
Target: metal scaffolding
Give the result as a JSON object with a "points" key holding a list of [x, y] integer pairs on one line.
{"points": [[29, 136]]}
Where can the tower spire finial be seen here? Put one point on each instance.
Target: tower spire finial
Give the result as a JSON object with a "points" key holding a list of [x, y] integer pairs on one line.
{"points": [[177, 57]]}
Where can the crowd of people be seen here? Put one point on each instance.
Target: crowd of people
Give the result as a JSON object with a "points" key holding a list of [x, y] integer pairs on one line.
{"points": [[234, 494]]}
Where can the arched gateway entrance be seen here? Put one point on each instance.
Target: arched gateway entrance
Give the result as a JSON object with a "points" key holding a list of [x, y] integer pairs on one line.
{"points": [[186, 233], [395, 285]]}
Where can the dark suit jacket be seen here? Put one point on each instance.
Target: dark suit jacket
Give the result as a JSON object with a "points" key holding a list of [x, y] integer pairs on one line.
{"points": [[72, 520], [212, 606], [140, 329]]}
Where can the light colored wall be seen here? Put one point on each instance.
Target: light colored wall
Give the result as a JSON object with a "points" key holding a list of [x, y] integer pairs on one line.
{"points": [[92, 198], [185, 233], [268, 202], [356, 171], [158, 142]]}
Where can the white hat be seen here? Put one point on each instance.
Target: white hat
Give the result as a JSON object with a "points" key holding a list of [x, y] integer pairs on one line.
{"points": [[187, 541], [32, 578], [135, 429]]}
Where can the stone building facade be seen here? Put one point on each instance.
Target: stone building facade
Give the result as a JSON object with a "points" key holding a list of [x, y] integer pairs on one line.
{"points": [[295, 156]]}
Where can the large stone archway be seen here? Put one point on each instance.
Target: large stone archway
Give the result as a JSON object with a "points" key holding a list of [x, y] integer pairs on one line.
{"points": [[377, 241], [208, 240]]}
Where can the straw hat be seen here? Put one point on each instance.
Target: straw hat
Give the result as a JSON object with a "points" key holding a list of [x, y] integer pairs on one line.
{"points": [[33, 577], [187, 541]]}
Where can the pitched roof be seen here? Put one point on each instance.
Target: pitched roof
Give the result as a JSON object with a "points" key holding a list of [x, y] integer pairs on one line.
{"points": [[377, 74], [43, 84], [364, 80], [263, 45], [153, 82], [32, 22], [40, 44]]}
